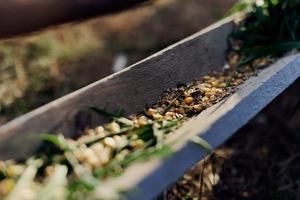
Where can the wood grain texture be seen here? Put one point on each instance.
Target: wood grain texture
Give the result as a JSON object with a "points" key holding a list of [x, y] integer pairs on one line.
{"points": [[216, 124], [131, 89]]}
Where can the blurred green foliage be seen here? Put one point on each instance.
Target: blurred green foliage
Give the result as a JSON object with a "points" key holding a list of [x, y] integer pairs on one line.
{"points": [[271, 29]]}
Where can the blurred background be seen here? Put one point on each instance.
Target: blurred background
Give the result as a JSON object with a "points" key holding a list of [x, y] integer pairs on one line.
{"points": [[42, 66]]}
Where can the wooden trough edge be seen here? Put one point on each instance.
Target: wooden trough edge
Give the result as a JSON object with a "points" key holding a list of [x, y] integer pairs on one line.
{"points": [[216, 124]]}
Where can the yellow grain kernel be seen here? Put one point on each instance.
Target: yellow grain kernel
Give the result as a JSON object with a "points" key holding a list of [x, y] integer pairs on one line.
{"points": [[157, 116], [142, 121], [110, 142], [181, 110], [170, 114], [137, 143], [198, 107], [6, 186], [205, 89], [208, 94], [215, 83], [99, 130], [151, 112], [113, 127], [205, 99], [188, 100]]}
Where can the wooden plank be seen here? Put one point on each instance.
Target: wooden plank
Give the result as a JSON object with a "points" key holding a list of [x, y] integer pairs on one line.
{"points": [[130, 89], [216, 124]]}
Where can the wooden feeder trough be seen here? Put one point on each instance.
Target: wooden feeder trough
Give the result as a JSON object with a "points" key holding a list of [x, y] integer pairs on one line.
{"points": [[141, 84]]}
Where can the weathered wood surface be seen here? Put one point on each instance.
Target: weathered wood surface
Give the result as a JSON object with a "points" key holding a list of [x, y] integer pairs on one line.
{"points": [[216, 124], [131, 89]]}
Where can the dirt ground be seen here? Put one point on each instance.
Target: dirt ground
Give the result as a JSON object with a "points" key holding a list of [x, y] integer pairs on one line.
{"points": [[261, 161], [43, 66]]}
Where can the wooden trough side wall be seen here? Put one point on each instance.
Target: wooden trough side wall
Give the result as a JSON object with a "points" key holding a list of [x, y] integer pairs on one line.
{"points": [[130, 89]]}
